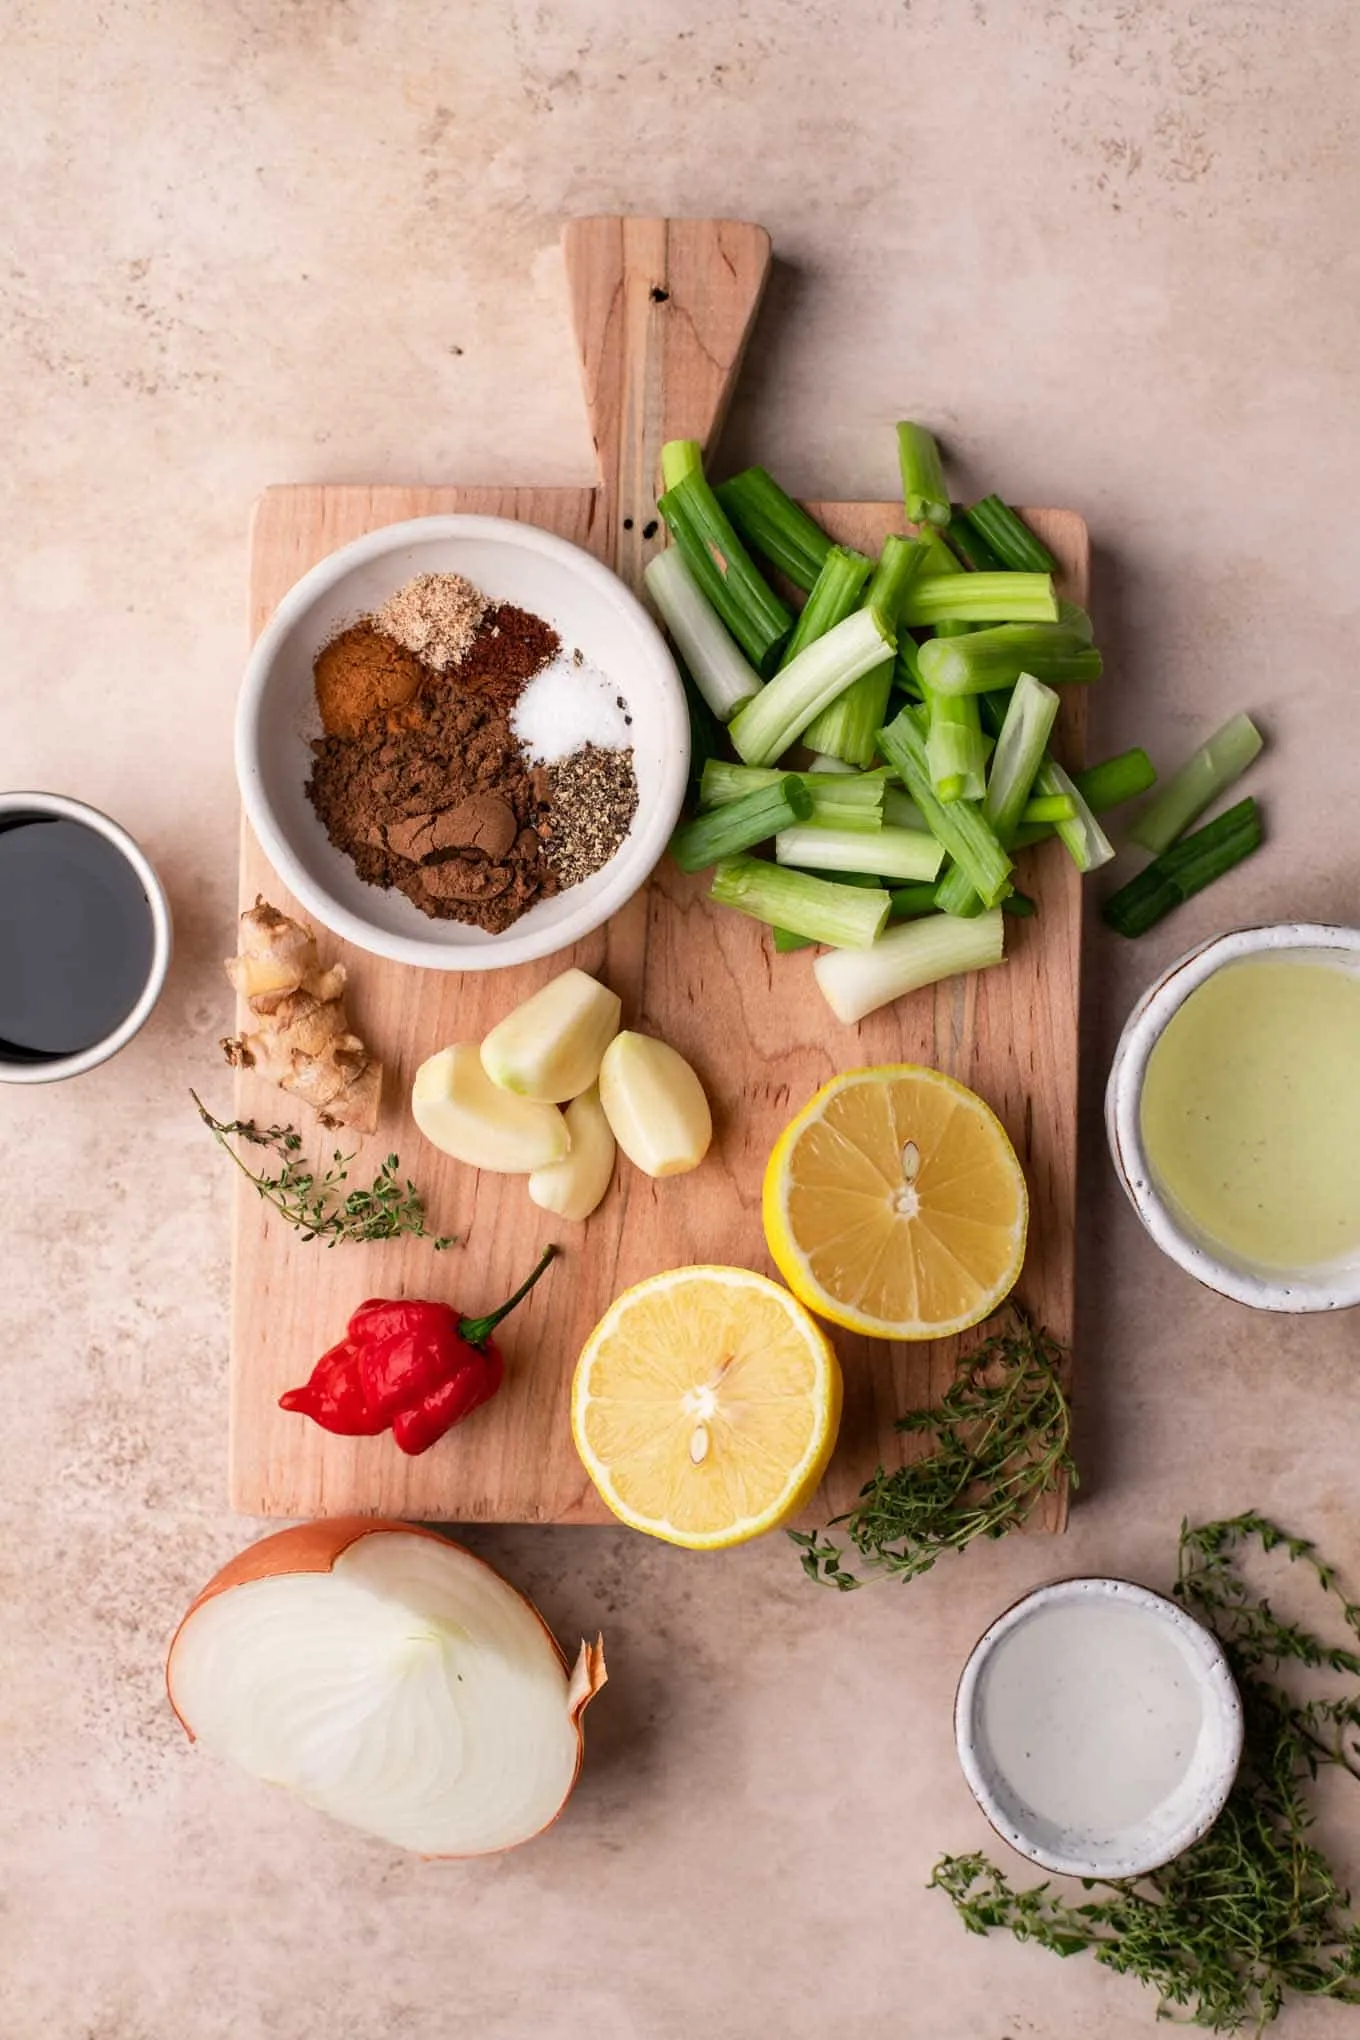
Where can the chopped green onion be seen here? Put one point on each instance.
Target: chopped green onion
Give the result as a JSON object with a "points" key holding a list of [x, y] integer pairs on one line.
{"points": [[923, 484], [1076, 618], [723, 781], [966, 834], [906, 958], [829, 814], [889, 853], [938, 558], [954, 747], [986, 660], [971, 547], [822, 761], [1210, 771], [725, 573], [907, 669], [779, 529], [849, 916], [741, 824], [763, 730], [900, 810], [980, 598], [785, 941], [1048, 807], [680, 457], [909, 902], [720, 672], [1010, 538], [956, 894], [1185, 869], [849, 727], [835, 593], [1020, 748], [1087, 844], [704, 738], [1104, 786]]}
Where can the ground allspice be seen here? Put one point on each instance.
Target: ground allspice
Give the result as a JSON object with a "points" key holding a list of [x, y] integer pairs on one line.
{"points": [[360, 674]]}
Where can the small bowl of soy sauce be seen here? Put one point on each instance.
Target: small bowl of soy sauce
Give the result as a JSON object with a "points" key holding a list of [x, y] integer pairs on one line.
{"points": [[84, 938]]}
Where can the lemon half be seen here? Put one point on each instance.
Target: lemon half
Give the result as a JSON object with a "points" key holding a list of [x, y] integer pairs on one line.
{"points": [[705, 1406], [895, 1205]]}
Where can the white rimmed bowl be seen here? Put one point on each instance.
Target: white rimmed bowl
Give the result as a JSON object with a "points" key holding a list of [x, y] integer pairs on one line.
{"points": [[1189, 1810], [587, 605], [1334, 1285], [58, 807]]}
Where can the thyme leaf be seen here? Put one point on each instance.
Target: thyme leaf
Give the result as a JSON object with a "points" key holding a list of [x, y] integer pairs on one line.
{"points": [[1001, 1440], [387, 1209], [1252, 1914]]}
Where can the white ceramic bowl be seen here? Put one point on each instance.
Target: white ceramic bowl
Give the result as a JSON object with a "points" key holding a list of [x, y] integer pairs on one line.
{"points": [[57, 807], [587, 605], [1334, 1286], [1186, 1814]]}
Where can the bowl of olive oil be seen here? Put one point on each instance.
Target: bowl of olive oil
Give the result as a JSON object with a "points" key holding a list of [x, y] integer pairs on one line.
{"points": [[1233, 1112], [84, 937]]}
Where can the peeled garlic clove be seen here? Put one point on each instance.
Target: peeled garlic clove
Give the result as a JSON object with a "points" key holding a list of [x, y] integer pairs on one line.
{"points": [[550, 1047], [655, 1105], [456, 1105], [574, 1187]]}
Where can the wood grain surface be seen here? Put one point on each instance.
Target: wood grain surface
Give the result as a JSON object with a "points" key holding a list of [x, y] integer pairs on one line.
{"points": [[752, 1023]]}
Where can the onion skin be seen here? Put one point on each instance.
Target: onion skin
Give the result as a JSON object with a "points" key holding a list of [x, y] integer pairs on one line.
{"points": [[314, 1548]]}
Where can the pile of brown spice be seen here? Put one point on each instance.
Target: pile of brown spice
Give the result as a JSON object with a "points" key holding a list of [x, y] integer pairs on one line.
{"points": [[434, 796]]}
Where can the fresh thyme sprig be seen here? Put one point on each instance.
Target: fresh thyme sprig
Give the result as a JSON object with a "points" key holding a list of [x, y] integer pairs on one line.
{"points": [[386, 1210], [1002, 1440], [1253, 1914]]}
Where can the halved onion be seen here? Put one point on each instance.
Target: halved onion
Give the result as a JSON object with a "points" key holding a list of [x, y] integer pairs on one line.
{"points": [[388, 1677]]}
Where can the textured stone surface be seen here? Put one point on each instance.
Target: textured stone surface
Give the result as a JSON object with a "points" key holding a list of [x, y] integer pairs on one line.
{"points": [[1110, 251]]}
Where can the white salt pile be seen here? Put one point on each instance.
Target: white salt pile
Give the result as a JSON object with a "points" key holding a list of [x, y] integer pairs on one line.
{"points": [[565, 707]]}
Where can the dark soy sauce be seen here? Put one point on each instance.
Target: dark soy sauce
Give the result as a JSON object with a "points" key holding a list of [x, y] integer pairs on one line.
{"points": [[76, 938]]}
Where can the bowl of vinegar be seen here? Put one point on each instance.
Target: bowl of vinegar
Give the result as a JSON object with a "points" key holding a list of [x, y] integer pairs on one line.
{"points": [[1233, 1113]]}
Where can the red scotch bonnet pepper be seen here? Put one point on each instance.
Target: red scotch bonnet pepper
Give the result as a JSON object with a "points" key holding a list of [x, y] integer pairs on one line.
{"points": [[415, 1369]]}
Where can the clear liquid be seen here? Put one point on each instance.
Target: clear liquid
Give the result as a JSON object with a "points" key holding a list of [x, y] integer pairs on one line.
{"points": [[1091, 1713], [76, 938], [1250, 1111]]}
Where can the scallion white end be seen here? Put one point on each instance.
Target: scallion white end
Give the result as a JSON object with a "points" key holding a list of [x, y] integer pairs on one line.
{"points": [[908, 957], [720, 670]]}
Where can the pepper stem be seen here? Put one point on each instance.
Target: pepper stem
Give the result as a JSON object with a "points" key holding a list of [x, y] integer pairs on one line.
{"points": [[478, 1330]]}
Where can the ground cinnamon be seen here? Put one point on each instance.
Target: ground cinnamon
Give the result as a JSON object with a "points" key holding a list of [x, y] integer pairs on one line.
{"points": [[361, 673]]}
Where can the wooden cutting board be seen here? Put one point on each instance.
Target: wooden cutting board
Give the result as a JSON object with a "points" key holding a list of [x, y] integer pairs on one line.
{"points": [[661, 310]]}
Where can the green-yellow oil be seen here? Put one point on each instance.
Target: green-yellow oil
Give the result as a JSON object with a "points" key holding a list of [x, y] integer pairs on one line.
{"points": [[1251, 1111]]}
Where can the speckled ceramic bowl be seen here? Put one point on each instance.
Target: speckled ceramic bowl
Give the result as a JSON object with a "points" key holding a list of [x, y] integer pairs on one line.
{"points": [[1334, 1285], [277, 715], [1189, 1810]]}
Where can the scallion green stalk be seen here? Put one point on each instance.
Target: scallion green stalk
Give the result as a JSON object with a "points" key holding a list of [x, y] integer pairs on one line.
{"points": [[724, 571], [835, 594], [909, 902], [718, 668], [980, 598], [956, 894], [954, 747], [937, 557], [850, 727], [785, 941], [971, 547], [962, 828], [723, 781], [741, 824], [907, 668], [1087, 844], [1207, 773], [763, 730], [904, 960], [680, 457], [888, 853], [780, 529], [900, 810], [851, 917], [1185, 869], [986, 660], [1076, 618], [1020, 748], [1103, 786], [1010, 538], [1048, 807], [923, 484]]}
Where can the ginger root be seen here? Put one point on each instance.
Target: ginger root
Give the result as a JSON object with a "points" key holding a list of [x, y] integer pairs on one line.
{"points": [[302, 1040]]}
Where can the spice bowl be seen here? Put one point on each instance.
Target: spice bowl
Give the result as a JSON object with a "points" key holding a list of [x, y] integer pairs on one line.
{"points": [[277, 719], [1099, 1728], [1315, 1283]]}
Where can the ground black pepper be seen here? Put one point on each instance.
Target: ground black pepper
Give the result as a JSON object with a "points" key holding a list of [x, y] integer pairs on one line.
{"points": [[593, 796]]}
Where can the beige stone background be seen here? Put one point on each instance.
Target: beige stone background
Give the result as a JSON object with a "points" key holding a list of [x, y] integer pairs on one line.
{"points": [[1110, 250]]}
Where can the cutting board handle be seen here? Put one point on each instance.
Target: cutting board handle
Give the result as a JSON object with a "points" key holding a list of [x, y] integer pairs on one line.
{"points": [[662, 311]]}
